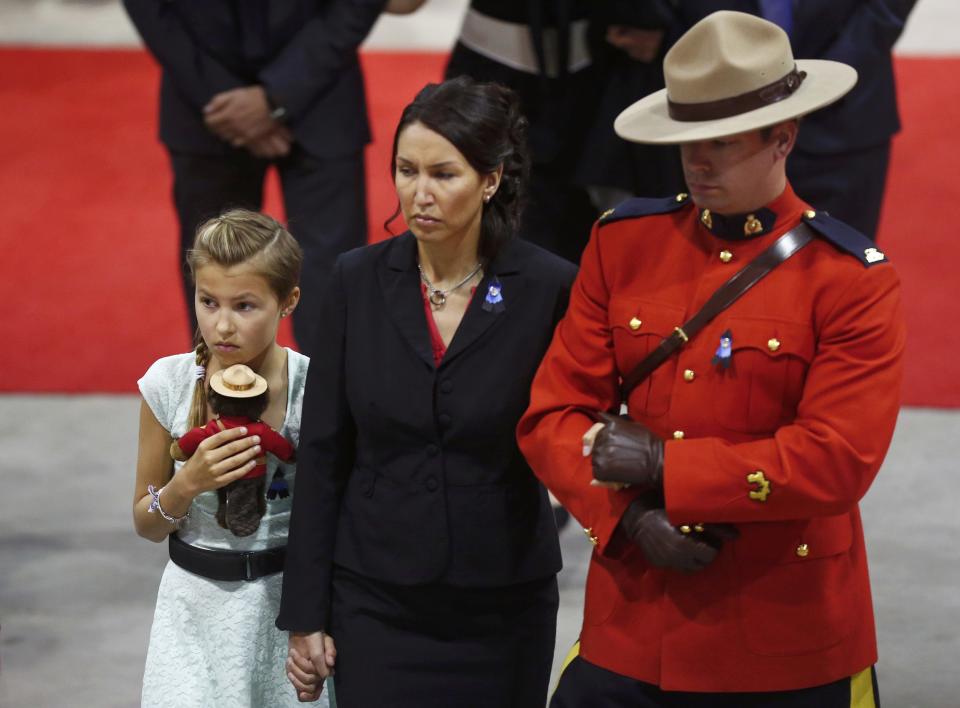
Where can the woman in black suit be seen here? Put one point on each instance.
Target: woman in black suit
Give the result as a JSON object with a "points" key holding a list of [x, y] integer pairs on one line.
{"points": [[420, 541]]}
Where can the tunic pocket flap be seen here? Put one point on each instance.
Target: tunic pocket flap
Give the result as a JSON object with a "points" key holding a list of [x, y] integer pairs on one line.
{"points": [[642, 317], [775, 338], [794, 542]]}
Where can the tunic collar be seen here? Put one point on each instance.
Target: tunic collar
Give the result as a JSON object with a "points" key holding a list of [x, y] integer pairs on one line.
{"points": [[767, 219]]}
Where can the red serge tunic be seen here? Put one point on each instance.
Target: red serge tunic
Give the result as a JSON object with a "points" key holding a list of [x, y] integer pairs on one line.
{"points": [[782, 444]]}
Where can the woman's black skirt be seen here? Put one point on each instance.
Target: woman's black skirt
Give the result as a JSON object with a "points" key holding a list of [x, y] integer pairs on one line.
{"points": [[439, 645]]}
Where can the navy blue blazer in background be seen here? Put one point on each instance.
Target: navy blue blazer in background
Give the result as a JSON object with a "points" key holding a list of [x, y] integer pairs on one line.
{"points": [[304, 52], [860, 33], [410, 473]]}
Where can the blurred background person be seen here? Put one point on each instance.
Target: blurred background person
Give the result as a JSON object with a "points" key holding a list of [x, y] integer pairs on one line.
{"points": [[539, 49], [575, 65], [247, 85], [627, 42]]}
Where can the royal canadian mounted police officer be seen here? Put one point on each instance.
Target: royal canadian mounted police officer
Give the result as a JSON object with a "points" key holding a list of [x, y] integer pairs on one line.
{"points": [[758, 346]]}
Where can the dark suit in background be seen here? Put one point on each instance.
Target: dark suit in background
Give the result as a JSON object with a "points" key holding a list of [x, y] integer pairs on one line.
{"points": [[304, 54], [614, 168], [419, 537], [843, 151], [558, 90]]}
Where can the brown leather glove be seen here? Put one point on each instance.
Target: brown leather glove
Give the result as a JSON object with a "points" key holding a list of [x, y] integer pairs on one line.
{"points": [[625, 451], [665, 546]]}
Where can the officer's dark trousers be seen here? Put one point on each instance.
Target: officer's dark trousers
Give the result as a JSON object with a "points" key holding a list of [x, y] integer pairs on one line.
{"points": [[325, 202], [849, 186], [585, 684]]}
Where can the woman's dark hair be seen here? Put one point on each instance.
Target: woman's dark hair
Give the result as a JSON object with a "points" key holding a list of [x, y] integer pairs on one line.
{"points": [[483, 121], [231, 407]]}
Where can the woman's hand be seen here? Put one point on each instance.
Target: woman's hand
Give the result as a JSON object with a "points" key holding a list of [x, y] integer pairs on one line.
{"points": [[220, 459], [310, 660]]}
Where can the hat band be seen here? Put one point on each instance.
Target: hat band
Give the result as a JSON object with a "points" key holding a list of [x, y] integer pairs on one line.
{"points": [[744, 103], [238, 387]]}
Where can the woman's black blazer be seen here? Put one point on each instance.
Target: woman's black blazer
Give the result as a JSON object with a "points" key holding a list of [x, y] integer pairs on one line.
{"points": [[410, 473]]}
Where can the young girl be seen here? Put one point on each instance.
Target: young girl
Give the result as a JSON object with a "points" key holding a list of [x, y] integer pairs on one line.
{"points": [[213, 641]]}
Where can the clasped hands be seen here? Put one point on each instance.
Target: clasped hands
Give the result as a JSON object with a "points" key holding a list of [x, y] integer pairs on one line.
{"points": [[242, 117], [310, 660], [639, 44], [625, 453]]}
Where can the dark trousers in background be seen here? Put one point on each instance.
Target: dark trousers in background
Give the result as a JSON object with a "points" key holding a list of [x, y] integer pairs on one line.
{"points": [[585, 684], [559, 214], [437, 646], [849, 186], [325, 201]]}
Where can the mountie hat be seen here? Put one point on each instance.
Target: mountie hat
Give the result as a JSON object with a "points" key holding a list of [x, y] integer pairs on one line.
{"points": [[238, 381], [731, 73]]}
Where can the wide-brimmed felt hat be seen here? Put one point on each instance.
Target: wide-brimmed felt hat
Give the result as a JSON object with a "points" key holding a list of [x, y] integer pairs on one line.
{"points": [[238, 381], [730, 73]]}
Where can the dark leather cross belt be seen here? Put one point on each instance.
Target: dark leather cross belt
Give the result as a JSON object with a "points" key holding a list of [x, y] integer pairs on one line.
{"points": [[726, 295]]}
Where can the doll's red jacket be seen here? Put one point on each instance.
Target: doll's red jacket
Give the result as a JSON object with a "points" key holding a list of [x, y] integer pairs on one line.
{"points": [[270, 440], [782, 444]]}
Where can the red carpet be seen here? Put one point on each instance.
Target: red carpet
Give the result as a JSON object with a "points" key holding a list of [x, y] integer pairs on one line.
{"points": [[88, 279]]}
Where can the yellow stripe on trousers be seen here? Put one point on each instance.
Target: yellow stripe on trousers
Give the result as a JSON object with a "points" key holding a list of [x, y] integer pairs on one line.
{"points": [[861, 690], [571, 655], [861, 684]]}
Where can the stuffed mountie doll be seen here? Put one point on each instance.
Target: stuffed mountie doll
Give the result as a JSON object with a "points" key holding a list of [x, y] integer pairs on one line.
{"points": [[238, 397]]}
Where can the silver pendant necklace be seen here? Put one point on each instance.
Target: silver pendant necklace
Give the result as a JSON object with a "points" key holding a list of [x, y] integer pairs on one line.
{"points": [[438, 297]]}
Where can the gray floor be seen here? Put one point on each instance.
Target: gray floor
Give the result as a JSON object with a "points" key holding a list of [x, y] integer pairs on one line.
{"points": [[77, 585]]}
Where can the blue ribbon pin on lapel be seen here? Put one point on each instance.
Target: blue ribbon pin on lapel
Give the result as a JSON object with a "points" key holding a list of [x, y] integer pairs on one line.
{"points": [[493, 302], [721, 358]]}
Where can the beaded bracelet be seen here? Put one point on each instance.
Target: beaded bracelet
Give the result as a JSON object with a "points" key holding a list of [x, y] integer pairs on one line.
{"points": [[177, 521]]}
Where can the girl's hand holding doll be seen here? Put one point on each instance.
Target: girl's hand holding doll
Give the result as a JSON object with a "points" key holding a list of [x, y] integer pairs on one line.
{"points": [[218, 461]]}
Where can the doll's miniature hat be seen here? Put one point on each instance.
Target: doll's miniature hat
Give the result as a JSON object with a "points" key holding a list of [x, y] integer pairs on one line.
{"points": [[238, 381], [730, 73]]}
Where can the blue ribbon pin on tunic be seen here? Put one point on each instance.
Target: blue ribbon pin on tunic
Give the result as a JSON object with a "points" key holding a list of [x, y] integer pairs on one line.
{"points": [[493, 302], [721, 357]]}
